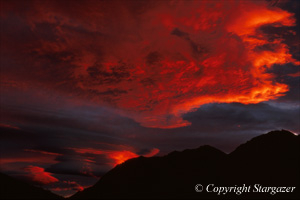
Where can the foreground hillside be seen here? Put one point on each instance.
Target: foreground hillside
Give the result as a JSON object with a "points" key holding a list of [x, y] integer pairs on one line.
{"points": [[268, 160]]}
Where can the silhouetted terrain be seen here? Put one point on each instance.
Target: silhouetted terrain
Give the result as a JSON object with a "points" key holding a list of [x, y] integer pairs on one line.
{"points": [[270, 160], [11, 188]]}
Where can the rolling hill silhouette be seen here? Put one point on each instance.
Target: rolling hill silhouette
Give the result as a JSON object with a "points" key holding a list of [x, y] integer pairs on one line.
{"points": [[11, 188], [271, 159]]}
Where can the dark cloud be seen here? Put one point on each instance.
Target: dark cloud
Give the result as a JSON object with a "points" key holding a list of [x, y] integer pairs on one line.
{"points": [[198, 49], [153, 58], [236, 117]]}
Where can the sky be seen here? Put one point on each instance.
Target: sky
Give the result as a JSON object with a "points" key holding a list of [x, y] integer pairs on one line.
{"points": [[86, 85]]}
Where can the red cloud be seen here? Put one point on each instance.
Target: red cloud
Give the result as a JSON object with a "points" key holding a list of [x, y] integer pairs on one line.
{"points": [[121, 156], [297, 74], [9, 126], [28, 159], [38, 175], [43, 152], [118, 156], [153, 61]]}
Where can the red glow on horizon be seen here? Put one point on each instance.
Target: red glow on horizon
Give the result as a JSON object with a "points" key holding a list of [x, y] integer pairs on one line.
{"points": [[118, 156], [122, 156]]}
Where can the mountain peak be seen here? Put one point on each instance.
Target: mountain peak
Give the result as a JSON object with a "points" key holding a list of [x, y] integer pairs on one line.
{"points": [[200, 151], [271, 143], [278, 133]]}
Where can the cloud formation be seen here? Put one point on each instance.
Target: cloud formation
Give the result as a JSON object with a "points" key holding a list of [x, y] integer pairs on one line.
{"points": [[38, 175], [152, 61], [86, 85]]}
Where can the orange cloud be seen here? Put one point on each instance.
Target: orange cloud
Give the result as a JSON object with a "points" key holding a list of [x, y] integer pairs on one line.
{"points": [[121, 156], [156, 65], [156, 88]]}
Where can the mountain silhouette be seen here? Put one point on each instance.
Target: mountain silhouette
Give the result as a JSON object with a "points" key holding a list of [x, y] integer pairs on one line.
{"points": [[271, 160], [11, 188]]}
